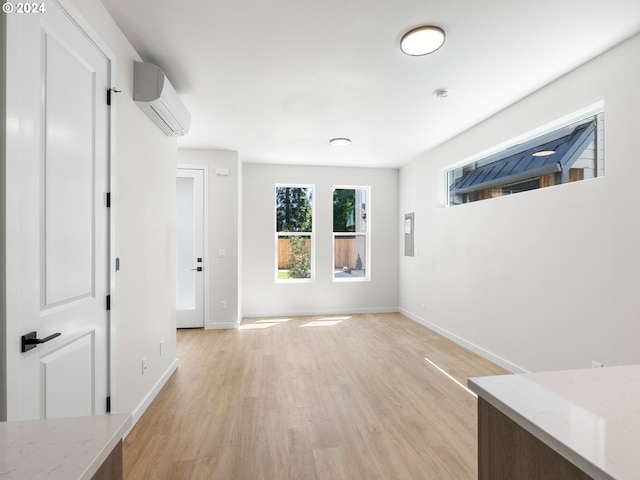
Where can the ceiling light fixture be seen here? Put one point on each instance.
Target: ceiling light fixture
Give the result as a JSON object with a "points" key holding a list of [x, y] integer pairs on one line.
{"points": [[422, 40], [339, 142], [544, 153]]}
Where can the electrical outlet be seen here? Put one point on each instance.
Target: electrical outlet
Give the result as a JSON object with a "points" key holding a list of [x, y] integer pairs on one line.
{"points": [[223, 304], [595, 364], [145, 365]]}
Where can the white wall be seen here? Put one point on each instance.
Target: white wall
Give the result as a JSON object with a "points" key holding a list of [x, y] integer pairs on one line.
{"points": [[143, 218], [262, 296], [3, 219], [224, 215], [546, 279]]}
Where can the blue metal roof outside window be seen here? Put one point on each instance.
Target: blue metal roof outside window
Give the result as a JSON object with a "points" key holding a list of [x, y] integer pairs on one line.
{"points": [[523, 165]]}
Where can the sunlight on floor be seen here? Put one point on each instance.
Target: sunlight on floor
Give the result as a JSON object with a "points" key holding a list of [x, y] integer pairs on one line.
{"points": [[451, 378], [272, 322], [325, 322], [256, 326], [318, 323]]}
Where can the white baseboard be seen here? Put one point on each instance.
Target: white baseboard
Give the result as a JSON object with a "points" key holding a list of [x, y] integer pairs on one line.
{"points": [[139, 411], [464, 343], [309, 313]]}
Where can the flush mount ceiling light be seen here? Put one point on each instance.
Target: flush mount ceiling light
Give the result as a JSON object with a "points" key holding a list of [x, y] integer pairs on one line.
{"points": [[339, 142], [422, 40], [544, 153]]}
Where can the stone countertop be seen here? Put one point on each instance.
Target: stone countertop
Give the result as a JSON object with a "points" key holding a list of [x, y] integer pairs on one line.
{"points": [[64, 448], [591, 417]]}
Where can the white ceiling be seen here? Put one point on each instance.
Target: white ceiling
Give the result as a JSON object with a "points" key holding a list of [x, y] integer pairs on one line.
{"points": [[276, 79]]}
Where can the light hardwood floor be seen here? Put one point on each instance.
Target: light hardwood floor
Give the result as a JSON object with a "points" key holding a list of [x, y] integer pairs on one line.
{"points": [[310, 398]]}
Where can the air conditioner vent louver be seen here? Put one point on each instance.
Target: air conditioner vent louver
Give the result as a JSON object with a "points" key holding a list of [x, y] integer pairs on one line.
{"points": [[155, 95]]}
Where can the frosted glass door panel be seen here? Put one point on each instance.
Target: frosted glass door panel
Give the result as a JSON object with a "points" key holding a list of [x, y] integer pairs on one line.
{"points": [[186, 280]]}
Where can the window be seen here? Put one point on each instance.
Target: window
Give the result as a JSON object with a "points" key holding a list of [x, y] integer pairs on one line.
{"points": [[294, 233], [569, 154], [351, 233]]}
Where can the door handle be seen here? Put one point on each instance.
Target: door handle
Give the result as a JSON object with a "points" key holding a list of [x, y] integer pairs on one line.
{"points": [[30, 340], [197, 269]]}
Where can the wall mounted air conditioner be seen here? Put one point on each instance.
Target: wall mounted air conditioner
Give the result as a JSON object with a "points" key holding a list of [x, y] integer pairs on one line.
{"points": [[155, 95]]}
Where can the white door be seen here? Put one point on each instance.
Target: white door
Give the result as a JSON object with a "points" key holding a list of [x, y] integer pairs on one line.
{"points": [[190, 248], [57, 148]]}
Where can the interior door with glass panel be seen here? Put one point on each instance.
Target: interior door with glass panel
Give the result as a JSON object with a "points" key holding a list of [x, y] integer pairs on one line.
{"points": [[190, 248]]}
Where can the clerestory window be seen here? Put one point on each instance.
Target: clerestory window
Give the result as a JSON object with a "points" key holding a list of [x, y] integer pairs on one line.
{"points": [[569, 154]]}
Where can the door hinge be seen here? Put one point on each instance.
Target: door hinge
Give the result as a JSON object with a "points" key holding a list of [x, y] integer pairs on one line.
{"points": [[108, 199], [108, 404], [108, 302], [109, 90]]}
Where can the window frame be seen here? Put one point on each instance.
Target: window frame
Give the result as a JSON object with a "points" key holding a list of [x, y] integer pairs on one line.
{"points": [[367, 236], [285, 234]]}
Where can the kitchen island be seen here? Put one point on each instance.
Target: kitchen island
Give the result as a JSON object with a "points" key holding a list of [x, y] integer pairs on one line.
{"points": [[574, 424], [79, 448]]}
